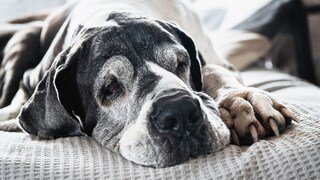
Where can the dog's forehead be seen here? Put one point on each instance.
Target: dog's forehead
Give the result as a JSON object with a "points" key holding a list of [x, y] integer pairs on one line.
{"points": [[139, 39]]}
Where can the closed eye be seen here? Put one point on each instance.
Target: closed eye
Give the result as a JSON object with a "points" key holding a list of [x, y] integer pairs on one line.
{"points": [[111, 90], [182, 66], [182, 58]]}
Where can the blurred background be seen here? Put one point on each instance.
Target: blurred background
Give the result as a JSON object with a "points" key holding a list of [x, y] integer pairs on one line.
{"points": [[14, 8], [281, 34]]}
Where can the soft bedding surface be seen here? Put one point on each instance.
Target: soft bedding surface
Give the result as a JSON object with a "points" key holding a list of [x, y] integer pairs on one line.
{"points": [[293, 155]]}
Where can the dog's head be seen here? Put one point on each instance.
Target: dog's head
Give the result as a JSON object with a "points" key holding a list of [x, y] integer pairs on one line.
{"points": [[134, 85]]}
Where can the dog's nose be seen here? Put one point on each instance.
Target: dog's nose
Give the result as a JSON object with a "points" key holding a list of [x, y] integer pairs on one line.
{"points": [[179, 116]]}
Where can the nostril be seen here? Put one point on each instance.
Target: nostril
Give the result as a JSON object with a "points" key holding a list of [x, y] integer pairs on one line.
{"points": [[167, 124]]}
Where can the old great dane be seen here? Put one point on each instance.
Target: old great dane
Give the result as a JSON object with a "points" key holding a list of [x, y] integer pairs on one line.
{"points": [[139, 76]]}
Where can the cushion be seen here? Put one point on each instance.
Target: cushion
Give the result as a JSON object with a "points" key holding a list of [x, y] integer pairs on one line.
{"points": [[240, 48], [243, 35]]}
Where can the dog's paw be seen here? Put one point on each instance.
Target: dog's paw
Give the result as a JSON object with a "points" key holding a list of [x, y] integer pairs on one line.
{"points": [[252, 114], [10, 125], [9, 112]]}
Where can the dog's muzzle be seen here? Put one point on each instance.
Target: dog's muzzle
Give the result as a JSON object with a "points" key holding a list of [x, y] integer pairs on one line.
{"points": [[176, 127], [177, 114]]}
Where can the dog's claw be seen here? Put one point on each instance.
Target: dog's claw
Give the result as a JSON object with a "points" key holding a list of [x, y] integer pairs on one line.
{"points": [[235, 137], [254, 133], [289, 114], [274, 127]]}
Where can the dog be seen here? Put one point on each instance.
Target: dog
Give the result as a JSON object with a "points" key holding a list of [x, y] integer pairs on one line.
{"points": [[141, 77]]}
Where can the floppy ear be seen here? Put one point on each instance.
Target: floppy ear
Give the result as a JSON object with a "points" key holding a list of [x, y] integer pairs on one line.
{"points": [[195, 68], [187, 42], [51, 110]]}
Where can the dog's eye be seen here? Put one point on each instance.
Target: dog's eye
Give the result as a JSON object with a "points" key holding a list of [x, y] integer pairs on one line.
{"points": [[182, 66], [111, 90]]}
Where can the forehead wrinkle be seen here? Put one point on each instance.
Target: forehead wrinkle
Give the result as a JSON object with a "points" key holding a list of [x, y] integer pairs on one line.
{"points": [[129, 43], [144, 34], [110, 41]]}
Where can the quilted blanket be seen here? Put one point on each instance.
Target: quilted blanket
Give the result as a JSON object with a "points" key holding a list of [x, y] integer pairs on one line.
{"points": [[293, 155]]}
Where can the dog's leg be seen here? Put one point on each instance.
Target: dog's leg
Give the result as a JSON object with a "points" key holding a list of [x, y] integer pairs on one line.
{"points": [[24, 43], [250, 114], [20, 47], [20, 53], [12, 26], [39, 16]]}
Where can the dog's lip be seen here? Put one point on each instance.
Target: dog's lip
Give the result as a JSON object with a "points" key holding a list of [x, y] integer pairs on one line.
{"points": [[187, 146]]}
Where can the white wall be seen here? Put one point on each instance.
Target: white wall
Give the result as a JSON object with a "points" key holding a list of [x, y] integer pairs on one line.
{"points": [[13, 8]]}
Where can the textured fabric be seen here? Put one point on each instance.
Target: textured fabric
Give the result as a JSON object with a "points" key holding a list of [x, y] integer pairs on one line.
{"points": [[293, 155]]}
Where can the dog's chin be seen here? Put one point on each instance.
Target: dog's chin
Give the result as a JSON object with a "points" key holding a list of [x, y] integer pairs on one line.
{"points": [[159, 151], [145, 153]]}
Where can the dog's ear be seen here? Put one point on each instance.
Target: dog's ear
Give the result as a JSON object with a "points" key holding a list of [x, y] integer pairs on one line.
{"points": [[195, 68], [54, 108], [187, 42]]}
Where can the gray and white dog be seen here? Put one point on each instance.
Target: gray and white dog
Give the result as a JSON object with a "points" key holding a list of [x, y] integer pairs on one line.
{"points": [[139, 76]]}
